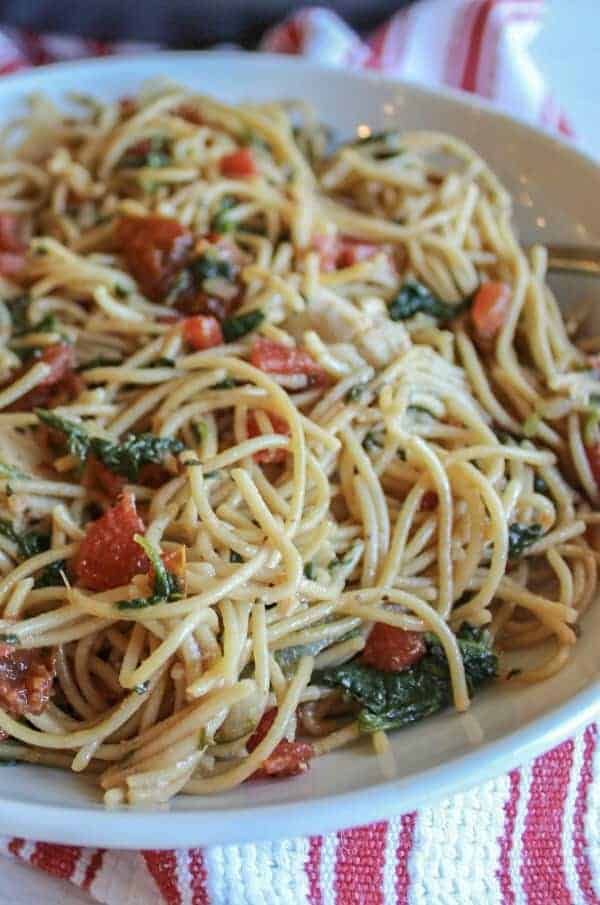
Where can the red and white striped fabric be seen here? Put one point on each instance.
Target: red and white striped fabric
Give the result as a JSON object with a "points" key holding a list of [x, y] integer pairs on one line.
{"points": [[531, 837]]}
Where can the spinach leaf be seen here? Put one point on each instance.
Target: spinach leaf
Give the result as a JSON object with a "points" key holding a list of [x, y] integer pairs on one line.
{"points": [[51, 576], [209, 267], [251, 140], [540, 486], [389, 144], [21, 324], [372, 441], [288, 657], [155, 153], [124, 458], [227, 384], [414, 298], [522, 536], [505, 437], [220, 222], [10, 638], [29, 543], [310, 571], [78, 440], [373, 137], [33, 542], [17, 309], [11, 471], [356, 392], [166, 585], [236, 327], [391, 700], [100, 361]]}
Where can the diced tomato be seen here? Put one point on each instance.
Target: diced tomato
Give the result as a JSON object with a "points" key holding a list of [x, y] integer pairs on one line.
{"points": [[353, 251], [154, 249], [593, 454], [10, 233], [392, 649], [108, 556], [190, 114], [343, 251], [287, 758], [593, 363], [97, 474], [192, 299], [128, 106], [490, 308], [11, 263], [202, 332], [138, 150], [238, 165], [26, 678], [327, 246], [429, 501], [61, 359], [275, 358], [175, 561], [153, 475], [61, 385], [275, 454]]}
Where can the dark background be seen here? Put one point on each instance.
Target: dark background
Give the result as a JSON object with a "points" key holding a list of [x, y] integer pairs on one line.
{"points": [[180, 23]]}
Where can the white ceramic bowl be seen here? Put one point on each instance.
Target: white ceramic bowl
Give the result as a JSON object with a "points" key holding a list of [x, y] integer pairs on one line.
{"points": [[556, 191]]}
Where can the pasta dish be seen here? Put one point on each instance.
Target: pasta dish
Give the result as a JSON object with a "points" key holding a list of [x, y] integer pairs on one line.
{"points": [[296, 445]]}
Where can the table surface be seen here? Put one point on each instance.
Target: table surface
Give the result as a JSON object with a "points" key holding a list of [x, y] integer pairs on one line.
{"points": [[569, 57]]}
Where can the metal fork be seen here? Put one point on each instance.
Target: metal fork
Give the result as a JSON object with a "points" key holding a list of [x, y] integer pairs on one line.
{"points": [[576, 259]]}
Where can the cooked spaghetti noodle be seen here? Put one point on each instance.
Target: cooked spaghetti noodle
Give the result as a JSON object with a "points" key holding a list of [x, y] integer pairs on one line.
{"points": [[290, 437]]}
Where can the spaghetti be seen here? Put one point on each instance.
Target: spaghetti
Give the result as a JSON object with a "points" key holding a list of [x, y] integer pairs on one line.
{"points": [[293, 441]]}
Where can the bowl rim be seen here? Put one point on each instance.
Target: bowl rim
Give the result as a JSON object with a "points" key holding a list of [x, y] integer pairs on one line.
{"points": [[129, 828]]}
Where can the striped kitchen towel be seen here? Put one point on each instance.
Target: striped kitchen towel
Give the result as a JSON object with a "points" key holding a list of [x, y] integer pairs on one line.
{"points": [[530, 837]]}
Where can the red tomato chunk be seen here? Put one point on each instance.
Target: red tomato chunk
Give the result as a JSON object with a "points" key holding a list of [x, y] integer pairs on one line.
{"points": [[108, 556], [429, 501], [276, 358], [61, 360], [238, 165], [343, 251], [202, 332], [96, 474], [392, 649], [490, 309], [11, 263], [10, 233], [26, 678], [154, 249], [12, 247], [275, 454], [593, 454], [190, 114], [286, 759], [61, 385]]}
